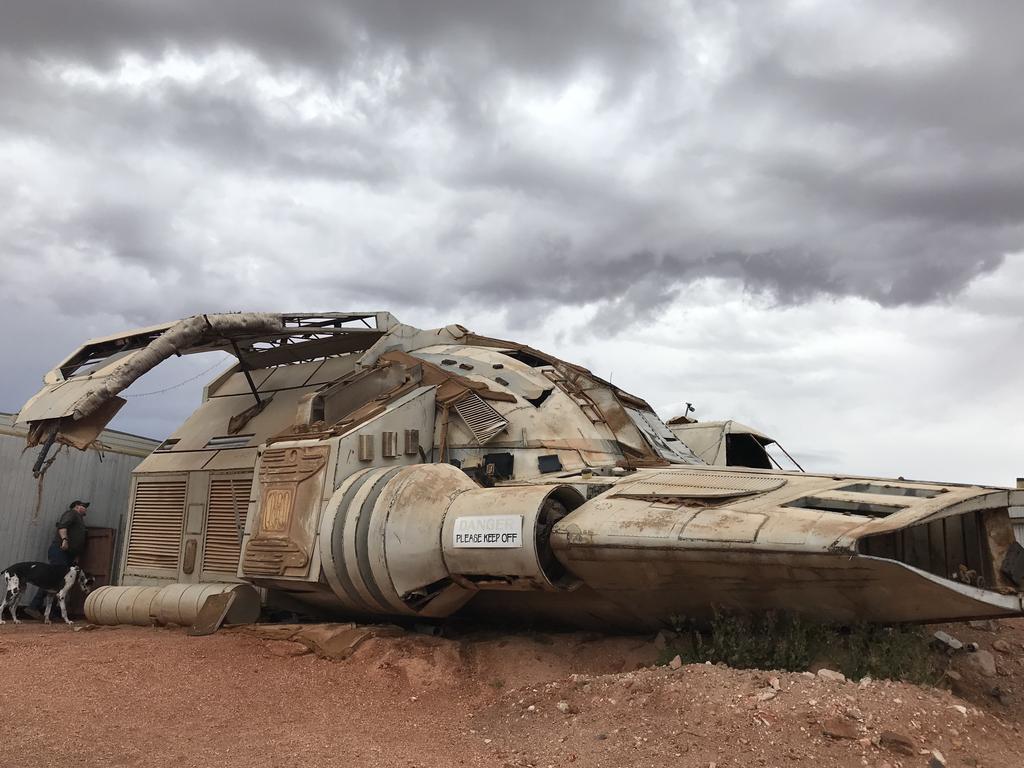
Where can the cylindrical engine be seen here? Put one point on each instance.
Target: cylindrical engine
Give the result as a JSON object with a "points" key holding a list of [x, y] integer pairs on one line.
{"points": [[422, 540]]}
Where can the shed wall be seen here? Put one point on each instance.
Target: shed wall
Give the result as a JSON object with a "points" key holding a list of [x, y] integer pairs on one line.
{"points": [[1017, 519], [29, 509]]}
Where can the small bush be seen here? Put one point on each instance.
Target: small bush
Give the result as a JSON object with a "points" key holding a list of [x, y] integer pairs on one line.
{"points": [[790, 642]]}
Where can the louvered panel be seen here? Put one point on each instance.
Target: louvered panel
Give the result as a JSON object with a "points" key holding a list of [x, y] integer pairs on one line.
{"points": [[158, 511], [481, 418], [221, 549]]}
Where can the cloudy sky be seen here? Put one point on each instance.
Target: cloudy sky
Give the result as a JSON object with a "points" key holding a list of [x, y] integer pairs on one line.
{"points": [[805, 215]]}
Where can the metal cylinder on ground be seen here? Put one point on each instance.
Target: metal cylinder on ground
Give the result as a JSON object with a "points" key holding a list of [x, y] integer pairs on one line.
{"points": [[180, 603], [172, 604], [121, 605]]}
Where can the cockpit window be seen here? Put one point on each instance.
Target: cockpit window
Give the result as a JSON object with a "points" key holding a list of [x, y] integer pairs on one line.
{"points": [[743, 450]]}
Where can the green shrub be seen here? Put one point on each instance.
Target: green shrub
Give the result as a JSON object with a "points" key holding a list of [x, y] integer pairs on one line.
{"points": [[790, 642]]}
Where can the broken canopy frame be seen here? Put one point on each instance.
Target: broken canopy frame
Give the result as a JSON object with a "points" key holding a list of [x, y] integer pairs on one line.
{"points": [[80, 395]]}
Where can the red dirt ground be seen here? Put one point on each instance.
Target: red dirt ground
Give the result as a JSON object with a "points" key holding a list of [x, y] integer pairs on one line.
{"points": [[131, 696]]}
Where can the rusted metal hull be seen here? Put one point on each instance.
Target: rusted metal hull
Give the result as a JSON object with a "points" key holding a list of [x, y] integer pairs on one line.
{"points": [[359, 466]]}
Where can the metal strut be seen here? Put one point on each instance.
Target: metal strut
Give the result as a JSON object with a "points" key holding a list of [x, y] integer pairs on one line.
{"points": [[245, 370]]}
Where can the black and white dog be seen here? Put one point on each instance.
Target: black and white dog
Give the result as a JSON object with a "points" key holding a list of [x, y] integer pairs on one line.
{"points": [[53, 579]]}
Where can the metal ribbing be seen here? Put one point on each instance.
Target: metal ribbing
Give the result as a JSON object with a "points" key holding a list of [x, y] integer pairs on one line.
{"points": [[363, 540], [338, 543], [481, 418], [221, 548], [158, 514]]}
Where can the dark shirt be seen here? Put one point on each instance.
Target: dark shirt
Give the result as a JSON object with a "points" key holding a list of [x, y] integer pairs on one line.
{"points": [[76, 532]]}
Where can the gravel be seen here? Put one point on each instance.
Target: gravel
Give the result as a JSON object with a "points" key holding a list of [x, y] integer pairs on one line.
{"points": [[132, 696]]}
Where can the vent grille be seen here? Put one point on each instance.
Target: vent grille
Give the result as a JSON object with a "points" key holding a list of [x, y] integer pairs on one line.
{"points": [[158, 512], [483, 421], [221, 549], [229, 441]]}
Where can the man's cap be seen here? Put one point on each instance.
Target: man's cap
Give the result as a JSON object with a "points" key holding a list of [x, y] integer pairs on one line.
{"points": [[76, 502]]}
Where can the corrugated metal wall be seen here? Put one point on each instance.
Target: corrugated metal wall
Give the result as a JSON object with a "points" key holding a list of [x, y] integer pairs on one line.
{"points": [[1017, 518], [28, 510]]}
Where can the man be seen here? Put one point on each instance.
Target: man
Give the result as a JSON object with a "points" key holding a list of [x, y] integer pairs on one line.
{"points": [[70, 539], [65, 549]]}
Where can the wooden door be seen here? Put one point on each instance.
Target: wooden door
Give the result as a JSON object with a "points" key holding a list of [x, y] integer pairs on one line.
{"points": [[97, 561]]}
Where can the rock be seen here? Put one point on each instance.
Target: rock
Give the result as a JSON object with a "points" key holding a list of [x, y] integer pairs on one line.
{"points": [[937, 760], [953, 675], [566, 708], [838, 728], [664, 638], [853, 713], [767, 694], [1002, 646], [865, 682], [774, 683], [286, 648], [1001, 695], [960, 708], [947, 642], [971, 647], [897, 742], [829, 674], [676, 662], [983, 662], [984, 624]]}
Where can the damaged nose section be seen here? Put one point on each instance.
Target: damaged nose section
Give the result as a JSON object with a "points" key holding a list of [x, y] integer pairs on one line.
{"points": [[838, 549], [969, 549], [80, 395]]}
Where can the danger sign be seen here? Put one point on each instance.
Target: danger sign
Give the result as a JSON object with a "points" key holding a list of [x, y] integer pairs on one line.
{"points": [[488, 531]]}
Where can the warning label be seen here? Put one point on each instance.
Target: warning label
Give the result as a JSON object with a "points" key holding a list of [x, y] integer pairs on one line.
{"points": [[488, 531]]}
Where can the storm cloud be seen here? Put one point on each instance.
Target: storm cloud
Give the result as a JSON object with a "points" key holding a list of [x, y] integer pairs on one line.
{"points": [[543, 152], [503, 160]]}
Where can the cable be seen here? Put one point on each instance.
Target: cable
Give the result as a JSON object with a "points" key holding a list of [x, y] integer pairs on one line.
{"points": [[175, 386]]}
